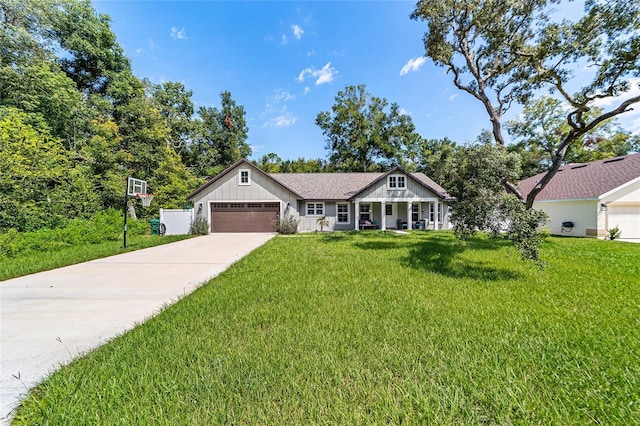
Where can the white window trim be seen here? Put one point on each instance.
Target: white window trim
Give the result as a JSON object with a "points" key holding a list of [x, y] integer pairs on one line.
{"points": [[369, 211], [348, 214], [388, 206], [315, 211], [248, 177], [431, 213], [393, 188]]}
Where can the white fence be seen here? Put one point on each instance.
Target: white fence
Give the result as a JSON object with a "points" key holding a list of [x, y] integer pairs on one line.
{"points": [[176, 221]]}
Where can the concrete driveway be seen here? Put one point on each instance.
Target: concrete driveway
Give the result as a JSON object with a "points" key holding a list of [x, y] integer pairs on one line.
{"points": [[51, 317]]}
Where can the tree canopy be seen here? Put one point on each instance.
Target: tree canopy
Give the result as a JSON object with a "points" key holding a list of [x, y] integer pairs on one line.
{"points": [[501, 52], [75, 121], [539, 130], [361, 129]]}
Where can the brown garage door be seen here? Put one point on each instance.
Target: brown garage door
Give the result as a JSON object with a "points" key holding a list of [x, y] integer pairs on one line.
{"points": [[244, 217]]}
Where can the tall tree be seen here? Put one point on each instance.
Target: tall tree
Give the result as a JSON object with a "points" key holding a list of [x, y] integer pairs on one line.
{"points": [[360, 129], [176, 106], [222, 137], [39, 185], [481, 203], [270, 163], [502, 52], [437, 159], [539, 130], [92, 54], [301, 165]]}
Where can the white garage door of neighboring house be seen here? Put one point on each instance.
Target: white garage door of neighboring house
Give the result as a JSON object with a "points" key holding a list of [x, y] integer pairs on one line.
{"points": [[244, 217], [627, 218]]}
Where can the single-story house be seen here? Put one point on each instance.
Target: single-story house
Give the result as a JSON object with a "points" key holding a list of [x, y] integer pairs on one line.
{"points": [[587, 199], [243, 198]]}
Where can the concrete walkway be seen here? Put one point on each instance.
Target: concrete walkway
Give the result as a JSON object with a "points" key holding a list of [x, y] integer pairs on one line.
{"points": [[51, 317]]}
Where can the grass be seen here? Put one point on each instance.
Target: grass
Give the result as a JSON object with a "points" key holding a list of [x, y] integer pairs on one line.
{"points": [[36, 261], [373, 328]]}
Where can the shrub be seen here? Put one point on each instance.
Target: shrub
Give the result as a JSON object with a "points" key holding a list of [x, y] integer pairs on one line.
{"points": [[287, 225], [199, 226], [614, 233], [101, 227]]}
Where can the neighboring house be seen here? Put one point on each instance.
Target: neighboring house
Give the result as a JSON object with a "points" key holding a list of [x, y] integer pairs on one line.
{"points": [[243, 198], [593, 197]]}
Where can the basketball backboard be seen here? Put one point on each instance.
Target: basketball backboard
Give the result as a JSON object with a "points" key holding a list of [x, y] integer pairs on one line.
{"points": [[136, 186]]}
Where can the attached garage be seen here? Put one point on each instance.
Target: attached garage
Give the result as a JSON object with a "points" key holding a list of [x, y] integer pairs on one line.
{"points": [[627, 219], [595, 196], [244, 217]]}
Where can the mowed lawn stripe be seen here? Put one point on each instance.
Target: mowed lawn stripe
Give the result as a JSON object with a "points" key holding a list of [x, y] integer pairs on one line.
{"points": [[373, 327]]}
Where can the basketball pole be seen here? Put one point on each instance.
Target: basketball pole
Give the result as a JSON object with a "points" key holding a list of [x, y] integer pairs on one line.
{"points": [[126, 199]]}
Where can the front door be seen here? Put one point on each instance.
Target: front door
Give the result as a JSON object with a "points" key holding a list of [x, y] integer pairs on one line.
{"points": [[390, 215]]}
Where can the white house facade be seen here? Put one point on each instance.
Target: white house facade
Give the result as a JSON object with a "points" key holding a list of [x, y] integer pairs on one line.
{"points": [[243, 198], [588, 199]]}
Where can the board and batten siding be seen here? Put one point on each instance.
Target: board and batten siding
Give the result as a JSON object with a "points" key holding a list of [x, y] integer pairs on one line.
{"points": [[414, 190], [261, 189]]}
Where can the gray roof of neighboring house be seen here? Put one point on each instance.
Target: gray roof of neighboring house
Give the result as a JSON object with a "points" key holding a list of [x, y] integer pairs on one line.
{"points": [[342, 186], [586, 180]]}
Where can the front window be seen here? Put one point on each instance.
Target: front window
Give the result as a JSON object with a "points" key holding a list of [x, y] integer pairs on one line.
{"points": [[343, 213], [397, 182], [365, 211], [245, 177], [388, 209], [415, 212], [315, 209], [432, 213]]}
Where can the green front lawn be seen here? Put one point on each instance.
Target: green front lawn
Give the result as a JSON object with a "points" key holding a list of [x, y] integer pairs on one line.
{"points": [[375, 328], [37, 261]]}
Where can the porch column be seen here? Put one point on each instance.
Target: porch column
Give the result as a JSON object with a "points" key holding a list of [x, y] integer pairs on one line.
{"points": [[436, 207], [409, 215], [357, 221], [383, 215]]}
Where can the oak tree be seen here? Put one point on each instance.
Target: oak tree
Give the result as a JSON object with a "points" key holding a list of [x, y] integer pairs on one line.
{"points": [[501, 52]]}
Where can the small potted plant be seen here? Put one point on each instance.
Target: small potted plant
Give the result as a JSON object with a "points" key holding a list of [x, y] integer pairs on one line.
{"points": [[322, 221]]}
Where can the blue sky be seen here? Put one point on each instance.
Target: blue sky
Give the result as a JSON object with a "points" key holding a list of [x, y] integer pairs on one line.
{"points": [[285, 62]]}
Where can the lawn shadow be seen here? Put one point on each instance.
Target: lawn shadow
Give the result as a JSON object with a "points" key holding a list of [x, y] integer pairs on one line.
{"points": [[443, 255]]}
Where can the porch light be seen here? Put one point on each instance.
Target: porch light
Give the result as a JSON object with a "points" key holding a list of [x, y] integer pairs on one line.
{"points": [[603, 207]]}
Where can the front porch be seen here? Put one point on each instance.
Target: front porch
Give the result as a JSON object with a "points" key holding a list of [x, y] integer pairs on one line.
{"points": [[388, 214]]}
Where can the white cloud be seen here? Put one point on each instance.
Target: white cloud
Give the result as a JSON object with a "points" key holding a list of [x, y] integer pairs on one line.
{"points": [[178, 33], [277, 116], [404, 111], [630, 120], [297, 31], [283, 120], [614, 101], [152, 44], [283, 39], [324, 75], [414, 64], [311, 53], [283, 96], [307, 89], [452, 97], [256, 148], [139, 51]]}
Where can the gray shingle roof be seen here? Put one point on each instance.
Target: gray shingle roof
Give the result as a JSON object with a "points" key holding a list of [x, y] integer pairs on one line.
{"points": [[340, 186], [586, 180], [326, 186]]}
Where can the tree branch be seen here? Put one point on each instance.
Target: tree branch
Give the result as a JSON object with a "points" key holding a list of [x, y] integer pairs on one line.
{"points": [[573, 135]]}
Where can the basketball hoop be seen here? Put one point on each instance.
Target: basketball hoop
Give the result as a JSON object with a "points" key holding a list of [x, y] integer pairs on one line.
{"points": [[145, 198]]}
